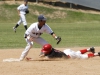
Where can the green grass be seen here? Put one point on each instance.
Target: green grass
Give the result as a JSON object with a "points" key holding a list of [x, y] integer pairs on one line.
{"points": [[9, 13], [73, 35], [76, 29]]}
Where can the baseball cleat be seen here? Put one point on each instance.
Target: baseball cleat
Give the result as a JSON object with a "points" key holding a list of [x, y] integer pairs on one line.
{"points": [[92, 49], [14, 29], [99, 53]]}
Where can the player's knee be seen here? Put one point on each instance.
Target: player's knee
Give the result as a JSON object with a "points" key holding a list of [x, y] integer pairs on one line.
{"points": [[24, 23], [30, 45]]}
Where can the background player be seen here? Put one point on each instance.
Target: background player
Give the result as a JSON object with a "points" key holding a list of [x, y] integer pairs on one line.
{"points": [[48, 53], [22, 12], [34, 32]]}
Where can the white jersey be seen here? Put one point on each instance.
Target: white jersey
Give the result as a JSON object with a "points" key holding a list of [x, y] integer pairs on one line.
{"points": [[22, 8], [34, 31]]}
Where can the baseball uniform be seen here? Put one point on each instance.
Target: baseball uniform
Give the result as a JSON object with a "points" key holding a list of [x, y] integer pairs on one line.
{"points": [[78, 54], [56, 54], [22, 12], [50, 52], [33, 35], [22, 8]]}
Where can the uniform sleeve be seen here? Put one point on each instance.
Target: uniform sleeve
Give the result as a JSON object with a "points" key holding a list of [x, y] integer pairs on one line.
{"points": [[29, 30], [48, 29], [19, 7]]}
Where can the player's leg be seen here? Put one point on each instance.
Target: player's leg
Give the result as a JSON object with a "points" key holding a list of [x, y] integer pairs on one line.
{"points": [[29, 45], [26, 50], [82, 51], [77, 54], [93, 54], [18, 23], [40, 41], [70, 53], [89, 55], [97, 54], [24, 21]]}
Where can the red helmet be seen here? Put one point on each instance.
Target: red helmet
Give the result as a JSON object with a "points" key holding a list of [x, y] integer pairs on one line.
{"points": [[46, 48]]}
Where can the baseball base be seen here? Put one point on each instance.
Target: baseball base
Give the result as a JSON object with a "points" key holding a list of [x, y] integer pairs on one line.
{"points": [[11, 60]]}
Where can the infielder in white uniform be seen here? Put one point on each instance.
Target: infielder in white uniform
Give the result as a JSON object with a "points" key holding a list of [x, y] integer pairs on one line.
{"points": [[34, 32], [22, 12], [49, 53]]}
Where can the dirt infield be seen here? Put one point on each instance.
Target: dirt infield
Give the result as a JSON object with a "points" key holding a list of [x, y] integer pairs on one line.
{"points": [[89, 66]]}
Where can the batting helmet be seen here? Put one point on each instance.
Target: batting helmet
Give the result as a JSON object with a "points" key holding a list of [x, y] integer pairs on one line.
{"points": [[46, 48]]}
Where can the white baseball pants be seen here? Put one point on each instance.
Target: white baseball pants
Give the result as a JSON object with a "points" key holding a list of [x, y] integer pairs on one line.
{"points": [[74, 54], [22, 20], [30, 41]]}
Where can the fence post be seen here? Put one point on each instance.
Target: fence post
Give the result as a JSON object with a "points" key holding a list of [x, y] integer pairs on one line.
{"points": [[36, 1], [70, 5]]}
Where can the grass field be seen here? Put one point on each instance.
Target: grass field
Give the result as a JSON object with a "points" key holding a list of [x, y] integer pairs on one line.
{"points": [[73, 35], [77, 29], [54, 15]]}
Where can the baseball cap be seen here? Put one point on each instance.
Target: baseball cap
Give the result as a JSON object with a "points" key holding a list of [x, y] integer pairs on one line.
{"points": [[41, 17]]}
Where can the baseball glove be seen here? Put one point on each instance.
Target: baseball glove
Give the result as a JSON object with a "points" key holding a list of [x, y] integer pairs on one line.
{"points": [[58, 39], [27, 11]]}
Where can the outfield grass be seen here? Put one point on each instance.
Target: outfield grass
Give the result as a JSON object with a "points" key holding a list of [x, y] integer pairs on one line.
{"points": [[9, 14], [76, 28], [73, 35]]}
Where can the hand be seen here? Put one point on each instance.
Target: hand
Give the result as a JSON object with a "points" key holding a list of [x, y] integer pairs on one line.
{"points": [[42, 55], [19, 14], [28, 59]]}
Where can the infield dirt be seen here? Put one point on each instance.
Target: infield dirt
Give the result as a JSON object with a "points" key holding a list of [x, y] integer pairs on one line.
{"points": [[89, 66]]}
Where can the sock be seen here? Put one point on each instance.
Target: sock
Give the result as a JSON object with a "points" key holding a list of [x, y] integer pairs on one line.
{"points": [[25, 27], [88, 49], [16, 25], [90, 55], [83, 51]]}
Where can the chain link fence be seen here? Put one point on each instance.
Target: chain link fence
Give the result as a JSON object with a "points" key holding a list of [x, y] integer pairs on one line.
{"points": [[87, 3], [23, 0]]}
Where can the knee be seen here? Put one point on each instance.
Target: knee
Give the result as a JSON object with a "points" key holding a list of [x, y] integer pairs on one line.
{"points": [[30, 45], [24, 23]]}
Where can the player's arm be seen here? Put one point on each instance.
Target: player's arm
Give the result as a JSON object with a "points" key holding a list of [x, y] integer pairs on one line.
{"points": [[18, 9], [29, 59], [56, 37], [43, 57], [18, 12], [46, 58], [49, 30]]}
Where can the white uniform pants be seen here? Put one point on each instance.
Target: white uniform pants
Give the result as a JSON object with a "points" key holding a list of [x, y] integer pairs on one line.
{"points": [[74, 54], [30, 41], [22, 20]]}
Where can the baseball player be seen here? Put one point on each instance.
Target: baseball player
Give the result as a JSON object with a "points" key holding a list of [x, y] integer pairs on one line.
{"points": [[48, 53], [22, 11], [34, 32]]}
